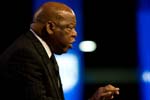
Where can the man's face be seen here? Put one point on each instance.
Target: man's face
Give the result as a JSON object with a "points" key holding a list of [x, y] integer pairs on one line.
{"points": [[64, 32]]}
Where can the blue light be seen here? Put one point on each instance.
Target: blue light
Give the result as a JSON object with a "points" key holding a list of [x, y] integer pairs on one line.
{"points": [[143, 29], [146, 76], [69, 70]]}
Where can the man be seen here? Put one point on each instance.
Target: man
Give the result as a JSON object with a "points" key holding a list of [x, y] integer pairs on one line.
{"points": [[28, 67]]}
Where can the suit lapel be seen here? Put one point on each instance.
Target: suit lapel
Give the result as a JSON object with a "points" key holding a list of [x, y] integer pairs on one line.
{"points": [[49, 65]]}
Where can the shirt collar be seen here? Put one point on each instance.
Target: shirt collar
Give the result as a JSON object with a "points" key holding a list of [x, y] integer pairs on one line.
{"points": [[44, 44]]}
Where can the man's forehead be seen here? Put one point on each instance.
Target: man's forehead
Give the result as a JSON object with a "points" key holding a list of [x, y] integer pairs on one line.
{"points": [[66, 12]]}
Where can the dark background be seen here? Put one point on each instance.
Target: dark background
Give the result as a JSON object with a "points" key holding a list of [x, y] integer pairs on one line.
{"points": [[111, 24], [15, 20]]}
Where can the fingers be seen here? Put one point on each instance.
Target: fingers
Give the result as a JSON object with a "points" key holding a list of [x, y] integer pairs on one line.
{"points": [[112, 89], [108, 92], [108, 95], [105, 93], [106, 98]]}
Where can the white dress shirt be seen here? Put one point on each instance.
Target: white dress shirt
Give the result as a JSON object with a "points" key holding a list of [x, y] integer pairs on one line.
{"points": [[44, 44]]}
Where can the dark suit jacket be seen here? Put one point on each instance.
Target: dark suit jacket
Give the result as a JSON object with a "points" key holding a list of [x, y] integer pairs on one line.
{"points": [[27, 73]]}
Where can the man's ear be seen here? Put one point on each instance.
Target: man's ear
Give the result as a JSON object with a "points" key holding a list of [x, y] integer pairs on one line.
{"points": [[49, 27]]}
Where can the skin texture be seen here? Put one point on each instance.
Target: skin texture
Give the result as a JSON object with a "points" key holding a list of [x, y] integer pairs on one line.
{"points": [[105, 93], [55, 23]]}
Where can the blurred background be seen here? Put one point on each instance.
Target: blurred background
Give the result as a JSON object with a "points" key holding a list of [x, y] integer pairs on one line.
{"points": [[111, 25]]}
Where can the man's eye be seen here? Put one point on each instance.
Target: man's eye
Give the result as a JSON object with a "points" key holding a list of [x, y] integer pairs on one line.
{"points": [[70, 28]]}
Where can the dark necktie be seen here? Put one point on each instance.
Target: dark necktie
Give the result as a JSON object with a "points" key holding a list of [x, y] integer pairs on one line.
{"points": [[56, 69]]}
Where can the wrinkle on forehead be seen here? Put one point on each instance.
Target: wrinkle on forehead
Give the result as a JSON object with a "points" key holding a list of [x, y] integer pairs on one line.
{"points": [[66, 12]]}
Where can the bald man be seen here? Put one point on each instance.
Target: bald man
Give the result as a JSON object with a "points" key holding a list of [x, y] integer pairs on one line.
{"points": [[29, 70]]}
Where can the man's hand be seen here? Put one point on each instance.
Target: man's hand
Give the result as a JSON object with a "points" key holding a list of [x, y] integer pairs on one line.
{"points": [[105, 93]]}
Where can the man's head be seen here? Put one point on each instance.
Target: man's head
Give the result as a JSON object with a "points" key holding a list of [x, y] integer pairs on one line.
{"points": [[55, 23]]}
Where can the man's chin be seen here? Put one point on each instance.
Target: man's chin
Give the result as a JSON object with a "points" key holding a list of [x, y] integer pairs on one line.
{"points": [[70, 46], [67, 48]]}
